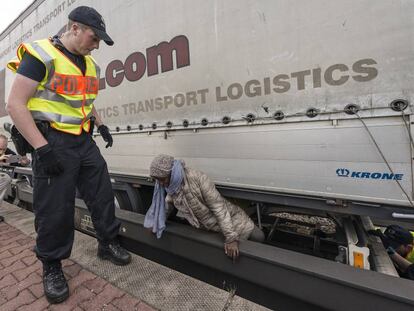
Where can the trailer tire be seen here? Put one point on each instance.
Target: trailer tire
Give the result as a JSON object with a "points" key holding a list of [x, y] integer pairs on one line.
{"points": [[128, 198]]}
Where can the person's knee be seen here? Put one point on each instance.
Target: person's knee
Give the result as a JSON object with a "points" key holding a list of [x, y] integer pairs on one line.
{"points": [[257, 235]]}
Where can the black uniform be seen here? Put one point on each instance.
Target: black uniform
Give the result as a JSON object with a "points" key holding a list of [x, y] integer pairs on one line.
{"points": [[409, 273], [84, 169]]}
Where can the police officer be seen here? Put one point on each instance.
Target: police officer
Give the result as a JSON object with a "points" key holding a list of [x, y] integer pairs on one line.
{"points": [[56, 84]]}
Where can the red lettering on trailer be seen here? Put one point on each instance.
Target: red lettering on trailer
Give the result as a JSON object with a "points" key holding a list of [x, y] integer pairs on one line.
{"points": [[157, 57]]}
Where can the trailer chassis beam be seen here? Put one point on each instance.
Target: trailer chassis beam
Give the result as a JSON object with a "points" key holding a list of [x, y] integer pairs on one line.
{"points": [[274, 277]]}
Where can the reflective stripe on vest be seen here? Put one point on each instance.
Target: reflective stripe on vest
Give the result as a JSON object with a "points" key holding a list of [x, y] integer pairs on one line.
{"points": [[41, 115], [65, 96], [410, 256], [51, 96]]}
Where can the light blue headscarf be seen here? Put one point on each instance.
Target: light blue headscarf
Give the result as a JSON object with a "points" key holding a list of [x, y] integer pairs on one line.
{"points": [[155, 217]]}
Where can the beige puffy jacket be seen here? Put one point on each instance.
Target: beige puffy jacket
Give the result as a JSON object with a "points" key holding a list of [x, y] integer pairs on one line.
{"points": [[212, 211]]}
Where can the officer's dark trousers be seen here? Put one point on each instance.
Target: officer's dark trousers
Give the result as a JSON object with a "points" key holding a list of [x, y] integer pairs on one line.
{"points": [[54, 197]]}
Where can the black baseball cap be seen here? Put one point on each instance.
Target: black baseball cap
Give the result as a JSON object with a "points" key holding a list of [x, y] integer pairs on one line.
{"points": [[396, 235], [90, 17]]}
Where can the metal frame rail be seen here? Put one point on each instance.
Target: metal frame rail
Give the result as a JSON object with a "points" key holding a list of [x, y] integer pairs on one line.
{"points": [[273, 277]]}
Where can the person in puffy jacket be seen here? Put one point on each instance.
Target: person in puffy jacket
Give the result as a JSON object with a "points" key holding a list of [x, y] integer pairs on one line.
{"points": [[197, 200]]}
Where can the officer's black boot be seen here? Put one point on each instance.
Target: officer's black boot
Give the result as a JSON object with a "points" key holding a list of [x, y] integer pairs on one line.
{"points": [[114, 252], [54, 282], [1, 218]]}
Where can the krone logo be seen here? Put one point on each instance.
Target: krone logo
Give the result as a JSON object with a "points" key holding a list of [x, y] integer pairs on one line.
{"points": [[342, 172]]}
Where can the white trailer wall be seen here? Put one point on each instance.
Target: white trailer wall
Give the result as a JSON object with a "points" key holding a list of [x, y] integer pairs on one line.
{"points": [[233, 58]]}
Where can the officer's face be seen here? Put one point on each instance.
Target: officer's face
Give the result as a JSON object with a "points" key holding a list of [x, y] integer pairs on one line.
{"points": [[86, 40]]}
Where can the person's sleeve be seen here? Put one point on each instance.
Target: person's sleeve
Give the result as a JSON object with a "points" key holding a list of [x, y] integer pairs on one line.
{"points": [[170, 210], [217, 205], [31, 68], [9, 151]]}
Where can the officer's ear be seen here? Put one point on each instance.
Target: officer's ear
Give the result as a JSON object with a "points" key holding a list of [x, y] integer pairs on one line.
{"points": [[69, 26], [74, 27]]}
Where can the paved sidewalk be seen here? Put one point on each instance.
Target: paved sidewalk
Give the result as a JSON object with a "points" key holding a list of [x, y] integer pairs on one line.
{"points": [[96, 284], [21, 285]]}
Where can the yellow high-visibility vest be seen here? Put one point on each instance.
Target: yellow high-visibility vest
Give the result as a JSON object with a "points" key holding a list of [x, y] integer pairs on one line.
{"points": [[65, 96], [410, 256]]}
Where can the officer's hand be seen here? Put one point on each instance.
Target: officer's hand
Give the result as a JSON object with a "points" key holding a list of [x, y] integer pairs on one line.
{"points": [[104, 131], [48, 161]]}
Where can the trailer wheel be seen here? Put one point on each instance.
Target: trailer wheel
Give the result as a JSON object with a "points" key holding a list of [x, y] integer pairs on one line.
{"points": [[128, 198], [121, 200]]}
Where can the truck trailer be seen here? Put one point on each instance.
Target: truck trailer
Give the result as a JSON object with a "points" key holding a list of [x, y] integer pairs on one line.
{"points": [[293, 98]]}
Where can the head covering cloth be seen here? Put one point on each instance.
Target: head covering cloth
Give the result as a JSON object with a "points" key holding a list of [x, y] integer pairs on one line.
{"points": [[161, 166]]}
